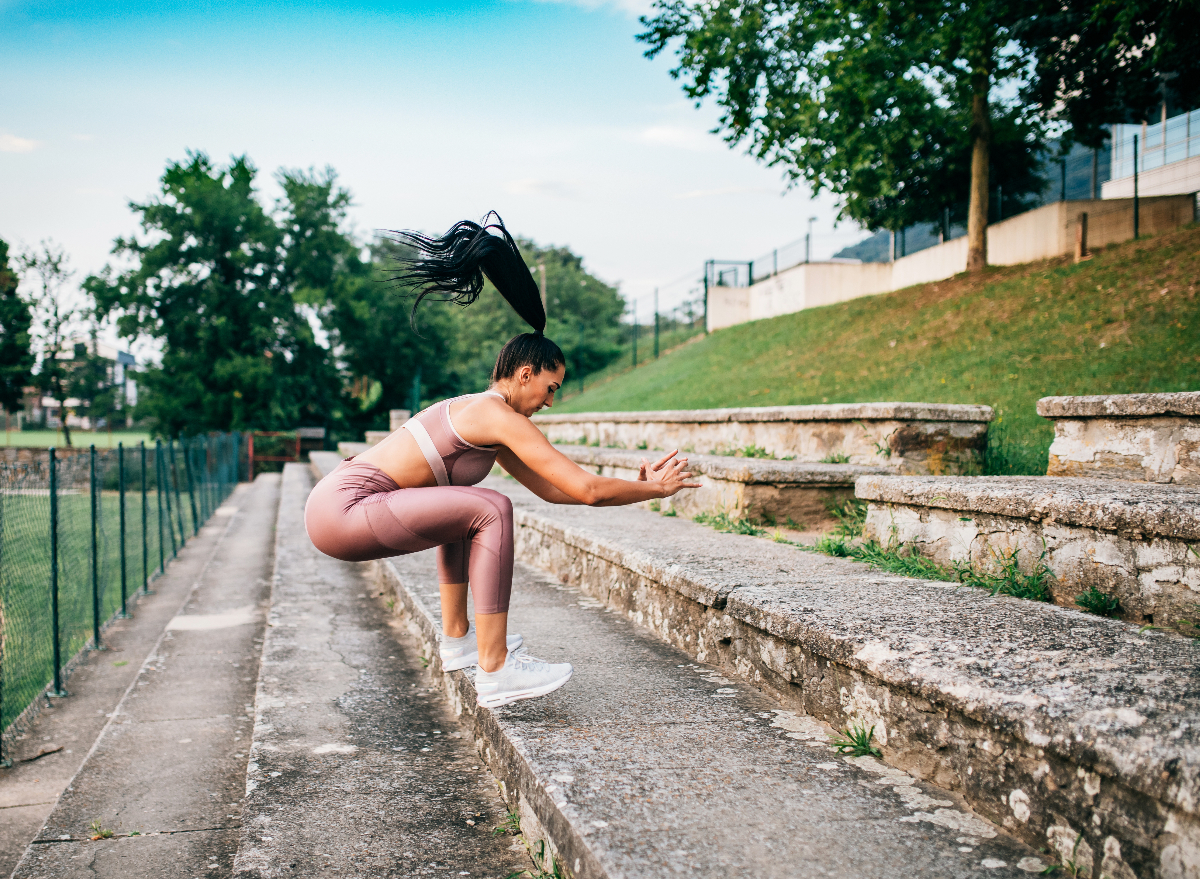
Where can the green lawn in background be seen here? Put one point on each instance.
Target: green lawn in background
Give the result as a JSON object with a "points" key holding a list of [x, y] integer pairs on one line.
{"points": [[102, 439], [1125, 321]]}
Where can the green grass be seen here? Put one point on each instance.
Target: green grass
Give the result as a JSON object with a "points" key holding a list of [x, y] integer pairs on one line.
{"points": [[1126, 321], [25, 620], [102, 439]]}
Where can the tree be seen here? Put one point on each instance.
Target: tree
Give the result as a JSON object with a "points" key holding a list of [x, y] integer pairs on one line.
{"points": [[369, 316], [894, 106], [92, 378], [1100, 61], [887, 105], [583, 317], [224, 288], [56, 313], [16, 356]]}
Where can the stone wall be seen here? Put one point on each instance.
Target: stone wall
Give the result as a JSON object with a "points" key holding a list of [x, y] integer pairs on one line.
{"points": [[1128, 540], [901, 437], [1145, 437], [760, 490], [1050, 787]]}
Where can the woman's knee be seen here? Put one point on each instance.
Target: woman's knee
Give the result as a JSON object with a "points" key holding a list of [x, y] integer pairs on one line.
{"points": [[498, 506]]}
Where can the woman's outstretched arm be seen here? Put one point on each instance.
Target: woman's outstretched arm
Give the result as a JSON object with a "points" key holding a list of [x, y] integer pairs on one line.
{"points": [[659, 480], [528, 455]]}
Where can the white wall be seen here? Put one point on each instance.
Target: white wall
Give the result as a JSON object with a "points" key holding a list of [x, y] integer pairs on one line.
{"points": [[1042, 233], [1177, 178]]}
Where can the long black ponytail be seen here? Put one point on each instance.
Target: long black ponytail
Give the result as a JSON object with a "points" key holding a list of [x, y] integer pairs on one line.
{"points": [[451, 268]]}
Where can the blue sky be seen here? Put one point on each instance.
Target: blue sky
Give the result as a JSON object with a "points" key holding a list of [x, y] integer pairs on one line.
{"points": [[545, 111]]}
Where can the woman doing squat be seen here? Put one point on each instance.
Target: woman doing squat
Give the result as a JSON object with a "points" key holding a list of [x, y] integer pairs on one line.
{"points": [[417, 489]]}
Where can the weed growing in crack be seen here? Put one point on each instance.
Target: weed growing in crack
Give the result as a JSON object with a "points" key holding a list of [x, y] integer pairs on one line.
{"points": [[671, 513], [750, 451], [856, 741], [723, 522], [510, 825], [836, 458], [1097, 602], [1070, 866], [850, 514], [99, 831], [1008, 579]]}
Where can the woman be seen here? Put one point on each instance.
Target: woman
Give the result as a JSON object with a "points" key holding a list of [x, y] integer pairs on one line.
{"points": [[416, 489]]}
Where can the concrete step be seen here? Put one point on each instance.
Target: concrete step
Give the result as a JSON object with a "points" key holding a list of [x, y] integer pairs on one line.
{"points": [[900, 437], [165, 774], [1135, 541], [756, 488], [1147, 437], [652, 764], [357, 768], [1076, 733]]}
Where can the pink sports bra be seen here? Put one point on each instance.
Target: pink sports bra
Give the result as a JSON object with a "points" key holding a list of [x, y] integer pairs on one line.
{"points": [[454, 461]]}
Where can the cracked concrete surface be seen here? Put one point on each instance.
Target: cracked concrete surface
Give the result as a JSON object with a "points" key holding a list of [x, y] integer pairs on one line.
{"points": [[358, 768], [166, 773]]}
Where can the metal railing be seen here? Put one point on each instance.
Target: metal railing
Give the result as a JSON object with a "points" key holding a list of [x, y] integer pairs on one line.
{"points": [[82, 531]]}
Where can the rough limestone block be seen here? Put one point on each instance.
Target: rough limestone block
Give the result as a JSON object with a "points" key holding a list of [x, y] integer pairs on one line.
{"points": [[754, 488], [1135, 541], [1146, 437], [900, 437]]}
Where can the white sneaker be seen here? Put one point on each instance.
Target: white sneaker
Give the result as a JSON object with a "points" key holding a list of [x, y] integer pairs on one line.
{"points": [[522, 677], [463, 652]]}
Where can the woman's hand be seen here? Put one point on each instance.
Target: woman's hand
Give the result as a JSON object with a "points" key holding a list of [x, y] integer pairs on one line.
{"points": [[670, 475]]}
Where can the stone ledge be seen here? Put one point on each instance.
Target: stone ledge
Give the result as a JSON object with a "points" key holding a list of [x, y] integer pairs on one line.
{"points": [[1186, 403], [729, 469], [1029, 710], [1147, 509], [831, 412]]}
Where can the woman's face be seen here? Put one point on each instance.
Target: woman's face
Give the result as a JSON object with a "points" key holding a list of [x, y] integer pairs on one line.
{"points": [[530, 391]]}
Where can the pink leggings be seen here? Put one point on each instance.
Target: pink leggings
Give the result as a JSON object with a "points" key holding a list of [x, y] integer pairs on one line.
{"points": [[358, 513]]}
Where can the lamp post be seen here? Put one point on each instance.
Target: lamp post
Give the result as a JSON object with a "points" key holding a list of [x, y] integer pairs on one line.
{"points": [[808, 240]]}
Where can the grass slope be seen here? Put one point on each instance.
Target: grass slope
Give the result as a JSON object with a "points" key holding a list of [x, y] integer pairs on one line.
{"points": [[1126, 321]]}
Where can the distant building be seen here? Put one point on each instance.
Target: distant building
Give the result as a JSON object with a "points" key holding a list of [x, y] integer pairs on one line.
{"points": [[1168, 157], [39, 409]]}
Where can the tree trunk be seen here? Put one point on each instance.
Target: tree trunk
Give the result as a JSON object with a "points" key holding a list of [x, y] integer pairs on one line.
{"points": [[981, 148]]}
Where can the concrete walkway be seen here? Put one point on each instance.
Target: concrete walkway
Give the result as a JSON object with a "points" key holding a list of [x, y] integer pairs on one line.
{"points": [[358, 767], [166, 774], [65, 729]]}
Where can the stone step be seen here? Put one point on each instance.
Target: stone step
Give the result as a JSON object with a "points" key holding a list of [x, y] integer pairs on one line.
{"points": [[356, 768], [1147, 437], [1076, 733], [651, 764], [1134, 541], [754, 488], [900, 437]]}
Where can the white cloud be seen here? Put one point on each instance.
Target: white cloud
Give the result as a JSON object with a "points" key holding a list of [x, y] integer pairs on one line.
{"points": [[544, 188], [10, 143], [729, 190], [680, 138], [630, 7]]}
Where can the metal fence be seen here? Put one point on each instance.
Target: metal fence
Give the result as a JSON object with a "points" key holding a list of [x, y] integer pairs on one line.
{"points": [[81, 532]]}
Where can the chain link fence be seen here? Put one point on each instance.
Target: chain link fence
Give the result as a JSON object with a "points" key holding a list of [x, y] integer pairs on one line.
{"points": [[82, 531]]}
